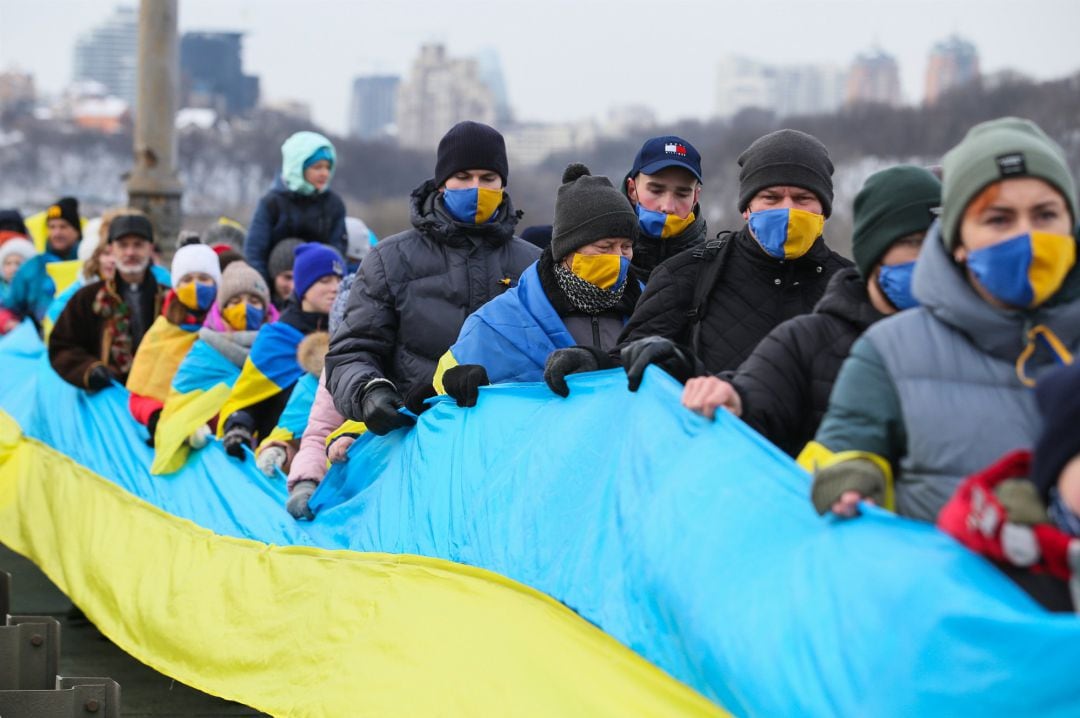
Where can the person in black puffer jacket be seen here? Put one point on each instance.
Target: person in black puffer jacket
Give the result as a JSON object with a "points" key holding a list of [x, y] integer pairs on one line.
{"points": [[415, 289], [782, 389], [300, 205], [663, 186]]}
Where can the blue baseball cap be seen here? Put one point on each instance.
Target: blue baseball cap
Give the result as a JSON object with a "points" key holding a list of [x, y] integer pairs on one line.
{"points": [[669, 151]]}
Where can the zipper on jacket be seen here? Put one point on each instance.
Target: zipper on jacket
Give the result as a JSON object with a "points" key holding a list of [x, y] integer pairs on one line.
{"points": [[596, 332]]}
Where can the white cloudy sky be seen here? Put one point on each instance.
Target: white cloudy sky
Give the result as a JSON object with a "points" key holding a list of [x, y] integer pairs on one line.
{"points": [[565, 59]]}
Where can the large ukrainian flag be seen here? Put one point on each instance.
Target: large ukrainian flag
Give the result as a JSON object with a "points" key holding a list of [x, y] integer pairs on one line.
{"points": [[530, 556]]}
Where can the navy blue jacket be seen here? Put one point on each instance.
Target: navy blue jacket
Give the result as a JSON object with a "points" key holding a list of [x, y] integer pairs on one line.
{"points": [[284, 214]]}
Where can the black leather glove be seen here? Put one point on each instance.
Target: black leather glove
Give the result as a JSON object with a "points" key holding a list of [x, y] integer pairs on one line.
{"points": [[379, 403], [664, 353], [573, 360], [414, 400], [98, 378], [463, 383], [235, 439], [151, 426]]}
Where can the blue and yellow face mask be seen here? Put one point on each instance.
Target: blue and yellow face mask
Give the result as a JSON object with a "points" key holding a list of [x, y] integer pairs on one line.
{"points": [[196, 296], [607, 271], [243, 316], [786, 233], [475, 205], [1024, 271], [661, 224]]}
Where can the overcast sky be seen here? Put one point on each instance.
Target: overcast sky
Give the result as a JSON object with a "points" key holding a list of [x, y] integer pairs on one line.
{"points": [[569, 59]]}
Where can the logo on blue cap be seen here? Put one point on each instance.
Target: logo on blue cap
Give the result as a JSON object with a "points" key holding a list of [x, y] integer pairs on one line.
{"points": [[662, 152]]}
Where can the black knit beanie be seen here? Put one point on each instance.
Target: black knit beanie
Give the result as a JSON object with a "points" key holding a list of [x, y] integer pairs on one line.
{"points": [[786, 157], [11, 220], [1056, 396], [893, 203], [471, 146], [588, 209], [67, 209]]}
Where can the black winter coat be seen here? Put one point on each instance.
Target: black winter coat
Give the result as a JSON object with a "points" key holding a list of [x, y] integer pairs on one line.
{"points": [[785, 383], [413, 293], [752, 294]]}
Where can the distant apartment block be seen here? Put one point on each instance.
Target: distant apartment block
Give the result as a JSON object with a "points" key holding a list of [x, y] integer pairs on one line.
{"points": [[212, 73], [439, 92], [373, 109], [742, 83], [874, 78], [953, 63], [107, 54]]}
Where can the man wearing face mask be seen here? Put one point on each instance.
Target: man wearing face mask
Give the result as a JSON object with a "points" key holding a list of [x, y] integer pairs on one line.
{"points": [[415, 289], [706, 309], [578, 294], [782, 389], [99, 331], [939, 392], [663, 186]]}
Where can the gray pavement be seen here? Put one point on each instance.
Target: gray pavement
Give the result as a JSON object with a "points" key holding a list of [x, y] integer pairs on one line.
{"points": [[85, 652]]}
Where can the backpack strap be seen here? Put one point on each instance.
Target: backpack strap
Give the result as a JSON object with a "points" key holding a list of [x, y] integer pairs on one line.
{"points": [[713, 255]]}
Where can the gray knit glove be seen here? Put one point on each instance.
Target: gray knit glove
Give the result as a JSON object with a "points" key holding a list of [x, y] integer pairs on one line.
{"points": [[861, 475], [297, 505]]}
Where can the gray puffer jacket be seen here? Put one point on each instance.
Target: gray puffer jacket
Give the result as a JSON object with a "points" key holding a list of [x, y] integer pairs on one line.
{"points": [[413, 293], [936, 391]]}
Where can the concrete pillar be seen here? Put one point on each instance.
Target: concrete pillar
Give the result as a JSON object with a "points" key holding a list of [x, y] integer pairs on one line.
{"points": [[154, 186]]}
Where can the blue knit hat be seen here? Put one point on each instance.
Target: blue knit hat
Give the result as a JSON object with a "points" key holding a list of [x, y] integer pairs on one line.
{"points": [[313, 262], [323, 153]]}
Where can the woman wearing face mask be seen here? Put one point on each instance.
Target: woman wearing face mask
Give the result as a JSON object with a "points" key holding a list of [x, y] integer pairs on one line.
{"points": [[939, 392], [196, 276], [782, 389], [578, 294], [300, 205], [207, 373]]}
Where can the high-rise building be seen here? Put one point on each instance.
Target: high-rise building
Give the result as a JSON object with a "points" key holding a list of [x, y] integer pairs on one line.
{"points": [[786, 90], [107, 54], [874, 78], [212, 73], [439, 92], [742, 83], [808, 89], [953, 63], [373, 110], [491, 74]]}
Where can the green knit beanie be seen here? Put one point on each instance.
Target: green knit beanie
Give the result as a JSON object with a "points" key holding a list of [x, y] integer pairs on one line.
{"points": [[893, 203], [997, 150]]}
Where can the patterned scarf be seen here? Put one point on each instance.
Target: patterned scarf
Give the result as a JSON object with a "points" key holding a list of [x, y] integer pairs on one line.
{"points": [[585, 296], [116, 333]]}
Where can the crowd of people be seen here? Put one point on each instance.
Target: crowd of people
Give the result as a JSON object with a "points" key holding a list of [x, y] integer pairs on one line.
{"points": [[933, 376]]}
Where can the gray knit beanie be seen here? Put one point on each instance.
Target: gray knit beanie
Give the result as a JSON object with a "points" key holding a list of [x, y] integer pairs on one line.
{"points": [[588, 209], [786, 157], [282, 256], [238, 278], [997, 150]]}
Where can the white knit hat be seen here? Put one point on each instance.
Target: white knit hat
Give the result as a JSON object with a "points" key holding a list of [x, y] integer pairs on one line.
{"points": [[17, 245], [195, 258]]}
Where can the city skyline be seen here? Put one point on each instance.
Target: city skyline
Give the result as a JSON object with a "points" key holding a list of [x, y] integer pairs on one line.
{"points": [[574, 70]]}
